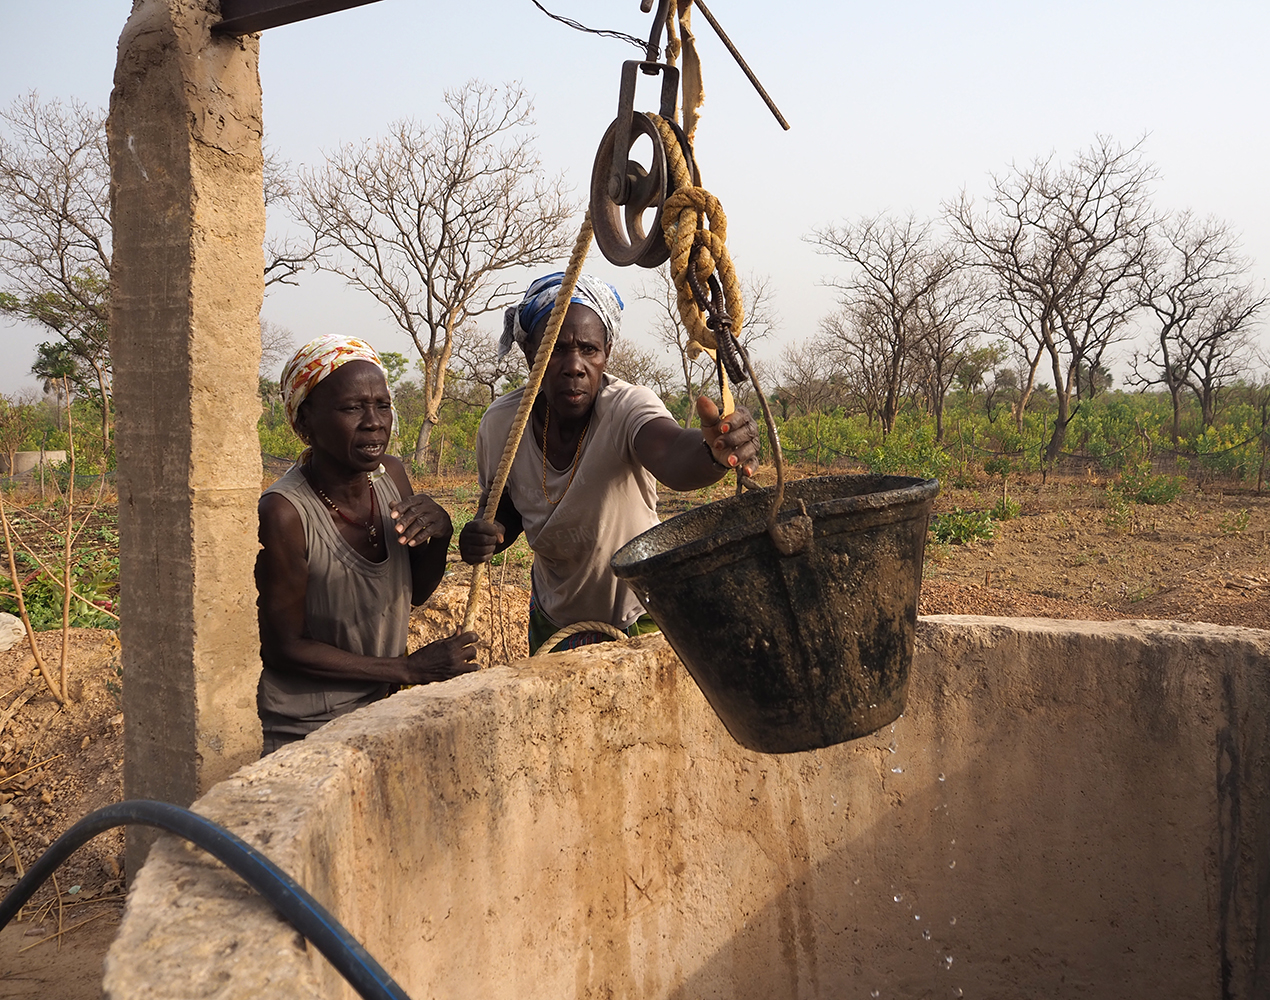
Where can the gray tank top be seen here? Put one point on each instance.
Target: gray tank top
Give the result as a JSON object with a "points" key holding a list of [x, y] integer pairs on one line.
{"points": [[350, 602]]}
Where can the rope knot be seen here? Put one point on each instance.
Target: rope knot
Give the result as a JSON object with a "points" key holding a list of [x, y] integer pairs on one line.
{"points": [[685, 215]]}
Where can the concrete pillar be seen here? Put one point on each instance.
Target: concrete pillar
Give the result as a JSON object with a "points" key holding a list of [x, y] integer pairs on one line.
{"points": [[187, 281]]}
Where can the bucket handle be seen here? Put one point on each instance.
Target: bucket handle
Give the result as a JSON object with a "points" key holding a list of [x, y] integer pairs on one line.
{"points": [[794, 535]]}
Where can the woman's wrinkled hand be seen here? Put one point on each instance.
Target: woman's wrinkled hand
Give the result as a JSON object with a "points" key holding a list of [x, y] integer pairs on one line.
{"points": [[443, 659], [478, 540], [419, 519], [733, 440]]}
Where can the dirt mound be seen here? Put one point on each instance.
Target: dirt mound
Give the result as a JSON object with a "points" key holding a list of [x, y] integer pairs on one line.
{"points": [[502, 621]]}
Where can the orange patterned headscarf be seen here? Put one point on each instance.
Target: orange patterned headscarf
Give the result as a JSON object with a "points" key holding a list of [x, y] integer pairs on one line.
{"points": [[315, 361]]}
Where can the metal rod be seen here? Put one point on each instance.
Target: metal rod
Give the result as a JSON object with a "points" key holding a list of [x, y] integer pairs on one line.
{"points": [[654, 36], [740, 61]]}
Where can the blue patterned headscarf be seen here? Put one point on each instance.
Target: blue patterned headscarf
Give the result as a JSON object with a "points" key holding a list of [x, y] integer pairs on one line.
{"points": [[599, 296]]}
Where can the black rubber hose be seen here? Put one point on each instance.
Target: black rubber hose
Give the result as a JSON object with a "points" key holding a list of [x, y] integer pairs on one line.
{"points": [[301, 910]]}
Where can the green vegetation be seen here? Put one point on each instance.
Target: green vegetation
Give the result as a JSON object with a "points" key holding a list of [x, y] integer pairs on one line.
{"points": [[1237, 523], [1006, 509], [1117, 434], [94, 568], [1120, 515], [1140, 485], [960, 527]]}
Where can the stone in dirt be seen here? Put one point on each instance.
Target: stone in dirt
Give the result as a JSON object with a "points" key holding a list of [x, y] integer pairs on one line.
{"points": [[12, 631]]}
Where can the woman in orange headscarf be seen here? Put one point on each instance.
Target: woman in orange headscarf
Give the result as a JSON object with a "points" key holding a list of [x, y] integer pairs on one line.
{"points": [[346, 548]]}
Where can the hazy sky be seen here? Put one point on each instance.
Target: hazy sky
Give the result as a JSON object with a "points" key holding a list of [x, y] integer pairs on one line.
{"points": [[894, 106]]}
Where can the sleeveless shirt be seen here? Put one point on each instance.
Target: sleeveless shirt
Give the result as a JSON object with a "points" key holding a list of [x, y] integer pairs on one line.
{"points": [[350, 602]]}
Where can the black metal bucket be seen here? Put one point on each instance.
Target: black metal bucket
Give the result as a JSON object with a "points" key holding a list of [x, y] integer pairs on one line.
{"points": [[793, 652]]}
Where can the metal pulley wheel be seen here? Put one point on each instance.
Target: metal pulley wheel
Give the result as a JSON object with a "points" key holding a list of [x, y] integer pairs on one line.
{"points": [[627, 196]]}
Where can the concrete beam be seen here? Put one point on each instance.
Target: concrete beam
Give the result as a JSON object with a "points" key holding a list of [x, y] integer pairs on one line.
{"points": [[184, 135], [242, 16]]}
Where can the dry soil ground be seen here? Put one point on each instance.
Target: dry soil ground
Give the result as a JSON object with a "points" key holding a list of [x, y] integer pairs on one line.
{"points": [[1204, 557]]}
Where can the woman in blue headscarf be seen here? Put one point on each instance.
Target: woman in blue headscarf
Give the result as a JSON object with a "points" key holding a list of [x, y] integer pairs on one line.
{"points": [[584, 479]]}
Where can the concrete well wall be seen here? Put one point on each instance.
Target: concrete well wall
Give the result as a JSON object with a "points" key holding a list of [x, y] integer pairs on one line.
{"points": [[1066, 809]]}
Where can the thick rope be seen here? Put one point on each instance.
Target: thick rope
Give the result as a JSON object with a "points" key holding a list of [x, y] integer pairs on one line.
{"points": [[536, 375], [604, 628], [683, 220]]}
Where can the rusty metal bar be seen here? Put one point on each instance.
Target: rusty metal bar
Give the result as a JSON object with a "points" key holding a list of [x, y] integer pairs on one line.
{"points": [[654, 36], [241, 17], [740, 61]]}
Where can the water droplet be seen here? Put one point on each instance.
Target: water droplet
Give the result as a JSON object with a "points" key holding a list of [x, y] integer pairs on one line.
{"points": [[958, 993], [856, 882], [947, 961], [925, 935], [952, 921], [952, 842], [897, 770], [952, 864], [876, 993], [941, 775], [898, 898], [891, 748], [917, 916]]}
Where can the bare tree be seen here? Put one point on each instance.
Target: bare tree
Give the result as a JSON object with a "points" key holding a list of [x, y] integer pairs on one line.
{"points": [[285, 256], [55, 239], [853, 342], [895, 264], [475, 364], [1204, 303], [949, 324], [55, 236], [276, 346], [761, 318], [1016, 381], [428, 220], [639, 367], [671, 333], [761, 322], [807, 383], [808, 388], [1066, 245]]}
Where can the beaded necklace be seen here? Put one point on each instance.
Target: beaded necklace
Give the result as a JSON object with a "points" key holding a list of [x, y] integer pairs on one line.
{"points": [[577, 457], [371, 529]]}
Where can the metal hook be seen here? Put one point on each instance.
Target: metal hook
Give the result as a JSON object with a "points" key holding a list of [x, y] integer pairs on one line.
{"points": [[653, 51]]}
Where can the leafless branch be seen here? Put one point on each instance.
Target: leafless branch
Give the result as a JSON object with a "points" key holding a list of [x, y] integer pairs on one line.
{"points": [[1066, 246], [429, 219], [1204, 302]]}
